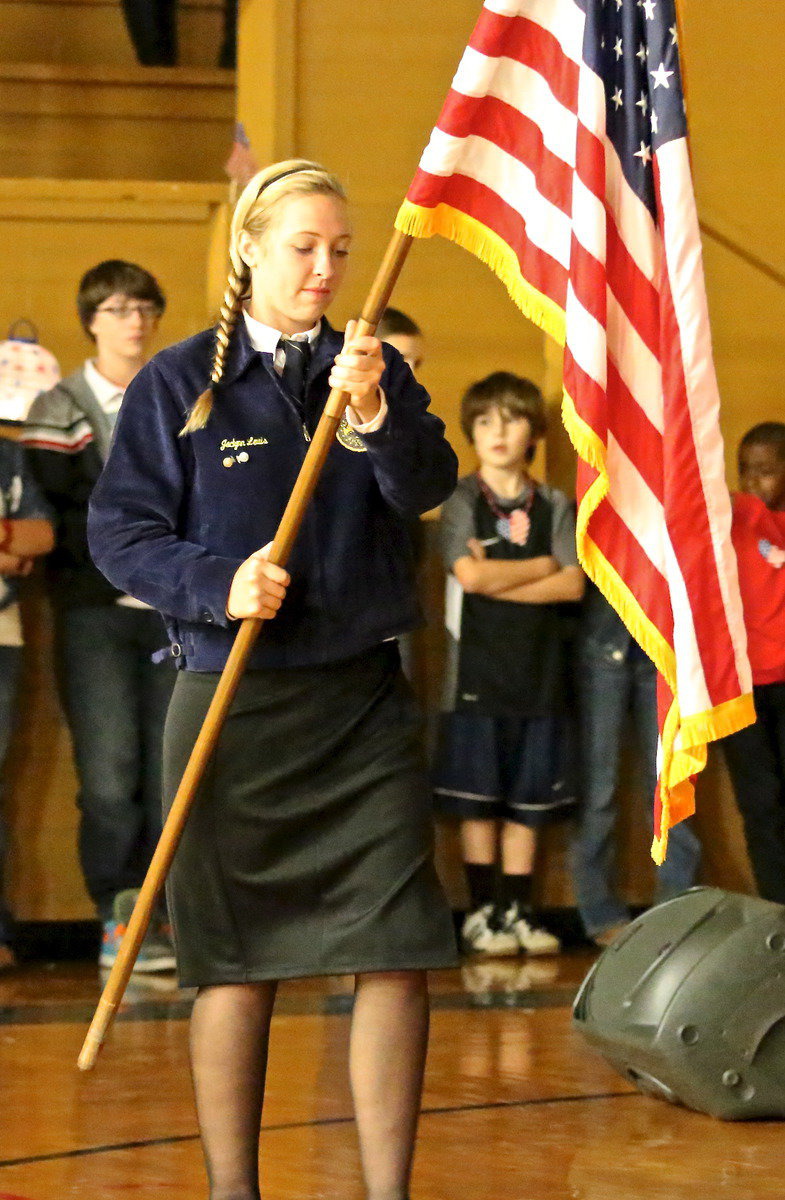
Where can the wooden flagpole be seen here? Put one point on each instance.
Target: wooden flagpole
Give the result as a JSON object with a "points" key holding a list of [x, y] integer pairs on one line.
{"points": [[247, 634]]}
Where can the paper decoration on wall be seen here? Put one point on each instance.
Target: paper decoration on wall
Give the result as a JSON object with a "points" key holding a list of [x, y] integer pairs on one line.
{"points": [[26, 369]]}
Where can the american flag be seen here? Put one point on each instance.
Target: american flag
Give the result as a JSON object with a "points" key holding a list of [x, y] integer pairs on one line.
{"points": [[560, 159], [241, 165]]}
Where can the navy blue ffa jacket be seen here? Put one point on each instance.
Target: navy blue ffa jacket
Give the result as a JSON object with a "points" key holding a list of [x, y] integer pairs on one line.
{"points": [[172, 518]]}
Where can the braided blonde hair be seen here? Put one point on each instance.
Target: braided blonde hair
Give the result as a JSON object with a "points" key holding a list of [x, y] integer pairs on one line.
{"points": [[253, 214]]}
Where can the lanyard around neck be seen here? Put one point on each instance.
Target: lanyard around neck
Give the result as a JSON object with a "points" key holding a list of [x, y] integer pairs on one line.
{"points": [[512, 524]]}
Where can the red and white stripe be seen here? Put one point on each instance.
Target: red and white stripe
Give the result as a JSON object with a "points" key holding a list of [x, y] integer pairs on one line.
{"points": [[521, 147], [69, 439]]}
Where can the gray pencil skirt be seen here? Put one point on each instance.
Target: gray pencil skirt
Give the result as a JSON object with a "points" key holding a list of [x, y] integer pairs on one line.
{"points": [[308, 850]]}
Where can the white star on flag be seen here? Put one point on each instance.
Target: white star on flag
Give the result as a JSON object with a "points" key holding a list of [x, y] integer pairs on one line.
{"points": [[617, 99], [644, 154], [643, 103], [649, 7], [661, 76], [617, 49]]}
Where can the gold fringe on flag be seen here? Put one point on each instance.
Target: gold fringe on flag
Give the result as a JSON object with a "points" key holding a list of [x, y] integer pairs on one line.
{"points": [[491, 249], [684, 739]]}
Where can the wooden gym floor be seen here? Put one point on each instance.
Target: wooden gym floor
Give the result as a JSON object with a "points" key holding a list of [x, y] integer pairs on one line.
{"points": [[516, 1104]]}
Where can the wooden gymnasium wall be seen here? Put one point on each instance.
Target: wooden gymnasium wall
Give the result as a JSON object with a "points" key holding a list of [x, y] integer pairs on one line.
{"points": [[47, 240], [360, 91]]}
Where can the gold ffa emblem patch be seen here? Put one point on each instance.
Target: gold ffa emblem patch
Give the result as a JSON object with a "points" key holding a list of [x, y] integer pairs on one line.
{"points": [[349, 438]]}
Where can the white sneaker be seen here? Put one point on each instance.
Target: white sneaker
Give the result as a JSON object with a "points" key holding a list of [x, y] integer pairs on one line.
{"points": [[479, 937], [531, 938]]}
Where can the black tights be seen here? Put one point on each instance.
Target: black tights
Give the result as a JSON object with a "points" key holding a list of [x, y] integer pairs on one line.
{"points": [[230, 1028]]}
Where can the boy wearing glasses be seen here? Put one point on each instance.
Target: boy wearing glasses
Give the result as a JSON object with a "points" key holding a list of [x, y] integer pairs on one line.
{"points": [[115, 697]]}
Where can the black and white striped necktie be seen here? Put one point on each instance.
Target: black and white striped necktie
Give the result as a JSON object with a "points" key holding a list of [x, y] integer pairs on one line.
{"points": [[297, 358]]}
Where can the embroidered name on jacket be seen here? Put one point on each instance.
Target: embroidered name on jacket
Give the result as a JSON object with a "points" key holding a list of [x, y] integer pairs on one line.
{"points": [[238, 443]]}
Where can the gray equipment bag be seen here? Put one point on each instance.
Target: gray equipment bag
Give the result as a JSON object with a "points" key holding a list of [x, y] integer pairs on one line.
{"points": [[689, 1004]]}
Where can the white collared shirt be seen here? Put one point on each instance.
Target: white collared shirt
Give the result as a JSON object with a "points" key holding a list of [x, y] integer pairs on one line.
{"points": [[108, 394], [267, 340]]}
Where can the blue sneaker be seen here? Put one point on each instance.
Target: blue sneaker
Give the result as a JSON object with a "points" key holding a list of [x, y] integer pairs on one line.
{"points": [[110, 943], [156, 952]]}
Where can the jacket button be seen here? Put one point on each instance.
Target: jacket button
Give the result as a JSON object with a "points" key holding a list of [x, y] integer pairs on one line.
{"points": [[208, 617]]}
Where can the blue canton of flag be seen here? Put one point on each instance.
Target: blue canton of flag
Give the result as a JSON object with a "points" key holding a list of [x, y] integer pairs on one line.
{"points": [[633, 46]]}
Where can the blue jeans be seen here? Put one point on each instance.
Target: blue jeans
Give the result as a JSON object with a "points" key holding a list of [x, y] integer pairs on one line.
{"points": [[115, 699], [10, 663], [609, 691]]}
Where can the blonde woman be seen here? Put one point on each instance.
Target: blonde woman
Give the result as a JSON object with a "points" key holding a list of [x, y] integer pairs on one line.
{"points": [[309, 848]]}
